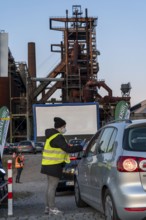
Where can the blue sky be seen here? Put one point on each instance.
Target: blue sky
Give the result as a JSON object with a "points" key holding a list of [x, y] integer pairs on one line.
{"points": [[121, 37]]}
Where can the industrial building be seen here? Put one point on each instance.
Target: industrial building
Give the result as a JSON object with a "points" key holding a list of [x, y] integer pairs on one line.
{"points": [[76, 75]]}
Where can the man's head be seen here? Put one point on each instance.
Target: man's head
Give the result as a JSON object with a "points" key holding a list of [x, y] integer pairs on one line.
{"points": [[60, 124]]}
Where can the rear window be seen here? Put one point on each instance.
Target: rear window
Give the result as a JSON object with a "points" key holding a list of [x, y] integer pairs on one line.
{"points": [[25, 143], [135, 139], [39, 143], [75, 142]]}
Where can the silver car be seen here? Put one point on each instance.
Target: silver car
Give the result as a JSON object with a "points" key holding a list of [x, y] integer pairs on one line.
{"points": [[111, 176], [26, 146]]}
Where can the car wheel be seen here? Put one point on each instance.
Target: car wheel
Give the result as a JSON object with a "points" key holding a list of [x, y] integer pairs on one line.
{"points": [[79, 202], [34, 151], [109, 207]]}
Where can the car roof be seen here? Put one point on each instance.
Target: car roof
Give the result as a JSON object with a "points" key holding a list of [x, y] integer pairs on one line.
{"points": [[126, 123]]}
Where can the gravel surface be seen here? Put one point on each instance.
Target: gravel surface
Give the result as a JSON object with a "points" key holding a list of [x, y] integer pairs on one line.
{"points": [[29, 197]]}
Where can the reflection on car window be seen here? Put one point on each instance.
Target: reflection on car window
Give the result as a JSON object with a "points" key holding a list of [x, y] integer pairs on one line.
{"points": [[92, 148], [105, 140], [112, 141]]}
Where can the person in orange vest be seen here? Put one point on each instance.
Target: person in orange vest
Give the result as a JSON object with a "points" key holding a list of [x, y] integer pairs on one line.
{"points": [[19, 164]]}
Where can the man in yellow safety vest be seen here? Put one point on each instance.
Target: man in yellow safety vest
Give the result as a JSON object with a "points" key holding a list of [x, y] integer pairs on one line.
{"points": [[55, 155]]}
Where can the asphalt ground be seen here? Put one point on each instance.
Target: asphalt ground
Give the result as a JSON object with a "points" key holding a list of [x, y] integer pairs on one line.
{"points": [[28, 197]]}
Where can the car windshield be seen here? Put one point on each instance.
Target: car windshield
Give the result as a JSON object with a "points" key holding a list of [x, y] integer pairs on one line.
{"points": [[135, 139], [39, 144], [25, 143], [75, 141]]}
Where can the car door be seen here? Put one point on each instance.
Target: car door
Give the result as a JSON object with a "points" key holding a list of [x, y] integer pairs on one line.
{"points": [[85, 166], [100, 164]]}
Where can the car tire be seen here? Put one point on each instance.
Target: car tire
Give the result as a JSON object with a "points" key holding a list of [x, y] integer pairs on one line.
{"points": [[109, 207], [34, 151], [79, 202]]}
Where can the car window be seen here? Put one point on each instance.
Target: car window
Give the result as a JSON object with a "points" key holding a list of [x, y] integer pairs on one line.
{"points": [[25, 143], [93, 145], [135, 139], [112, 141], [106, 140]]}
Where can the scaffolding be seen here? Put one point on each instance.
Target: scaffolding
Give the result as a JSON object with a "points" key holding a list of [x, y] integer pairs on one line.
{"points": [[76, 75]]}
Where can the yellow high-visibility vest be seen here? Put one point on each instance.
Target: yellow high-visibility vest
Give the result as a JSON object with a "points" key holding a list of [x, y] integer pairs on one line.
{"points": [[53, 155]]}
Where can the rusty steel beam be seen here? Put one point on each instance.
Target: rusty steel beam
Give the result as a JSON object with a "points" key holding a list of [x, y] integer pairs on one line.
{"points": [[46, 79]]}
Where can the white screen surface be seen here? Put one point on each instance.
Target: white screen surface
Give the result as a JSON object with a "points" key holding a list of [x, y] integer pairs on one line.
{"points": [[80, 118]]}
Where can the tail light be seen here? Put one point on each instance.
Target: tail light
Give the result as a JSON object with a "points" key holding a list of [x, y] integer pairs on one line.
{"points": [[136, 209], [131, 164], [73, 158]]}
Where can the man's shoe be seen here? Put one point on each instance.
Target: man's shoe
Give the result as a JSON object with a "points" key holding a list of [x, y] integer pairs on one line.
{"points": [[46, 210], [55, 211]]}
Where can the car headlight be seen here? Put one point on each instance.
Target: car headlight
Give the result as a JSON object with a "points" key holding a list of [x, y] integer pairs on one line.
{"points": [[69, 170], [72, 170]]}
